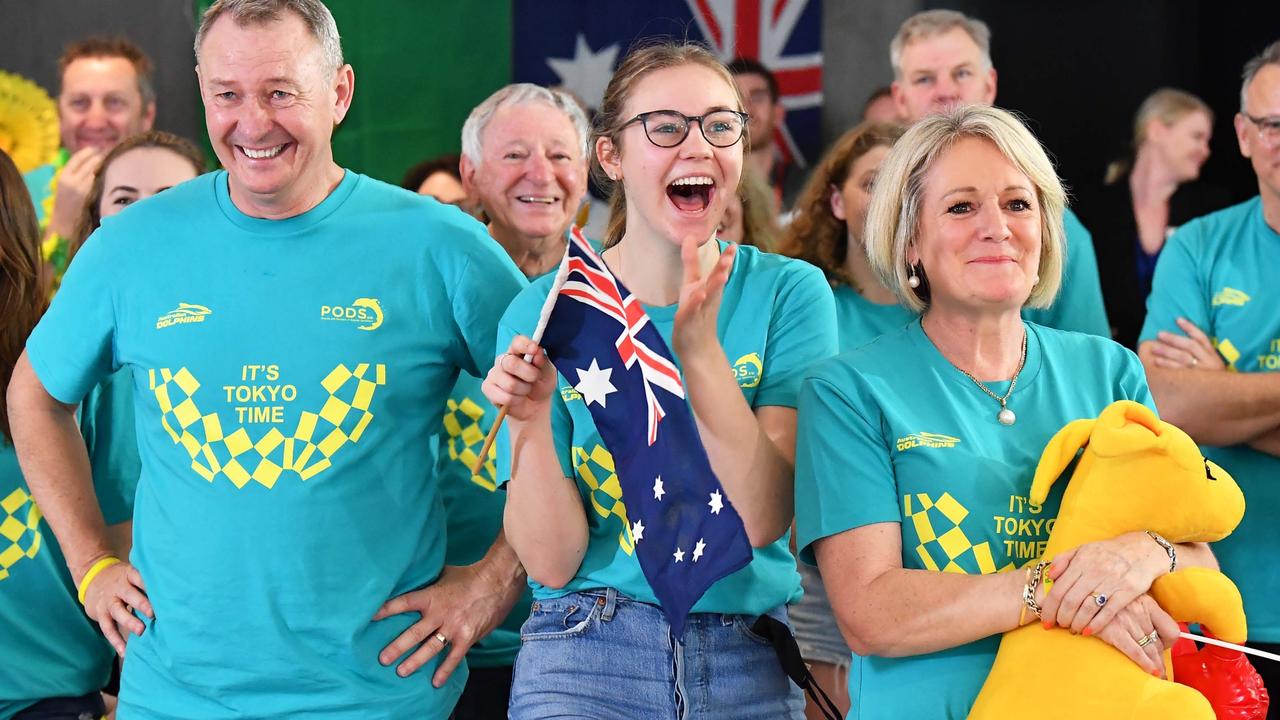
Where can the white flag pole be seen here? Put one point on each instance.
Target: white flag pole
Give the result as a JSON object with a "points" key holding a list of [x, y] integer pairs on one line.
{"points": [[562, 273], [1230, 646]]}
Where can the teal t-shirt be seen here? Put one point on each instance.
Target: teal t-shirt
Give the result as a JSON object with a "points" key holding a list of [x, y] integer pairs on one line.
{"points": [[777, 318], [860, 321], [473, 508], [289, 376], [893, 432], [1078, 306], [48, 647], [1218, 271]]}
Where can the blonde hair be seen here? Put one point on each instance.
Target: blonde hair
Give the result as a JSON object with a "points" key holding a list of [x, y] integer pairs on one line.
{"points": [[932, 23], [1168, 105], [893, 218], [610, 119], [759, 225], [814, 234]]}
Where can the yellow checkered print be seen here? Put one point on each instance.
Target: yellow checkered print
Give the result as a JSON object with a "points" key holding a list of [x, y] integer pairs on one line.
{"points": [[606, 494], [951, 550], [463, 422], [216, 452], [19, 531]]}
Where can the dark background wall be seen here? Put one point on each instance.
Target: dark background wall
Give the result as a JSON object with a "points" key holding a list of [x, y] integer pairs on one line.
{"points": [[1078, 69]]}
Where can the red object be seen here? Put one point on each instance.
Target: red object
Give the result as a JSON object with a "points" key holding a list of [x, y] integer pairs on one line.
{"points": [[1225, 677]]}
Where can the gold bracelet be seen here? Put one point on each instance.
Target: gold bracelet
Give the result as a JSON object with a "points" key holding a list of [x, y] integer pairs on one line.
{"points": [[1029, 590], [1168, 549], [97, 568]]}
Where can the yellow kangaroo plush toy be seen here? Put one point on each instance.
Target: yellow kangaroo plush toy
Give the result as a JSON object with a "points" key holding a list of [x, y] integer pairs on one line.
{"points": [[1136, 473]]}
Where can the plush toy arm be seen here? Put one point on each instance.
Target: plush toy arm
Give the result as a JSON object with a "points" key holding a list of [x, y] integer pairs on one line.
{"points": [[1204, 596]]}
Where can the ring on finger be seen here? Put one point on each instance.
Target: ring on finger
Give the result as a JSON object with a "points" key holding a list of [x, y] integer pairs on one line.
{"points": [[1194, 361], [443, 640], [1147, 639], [1099, 599]]}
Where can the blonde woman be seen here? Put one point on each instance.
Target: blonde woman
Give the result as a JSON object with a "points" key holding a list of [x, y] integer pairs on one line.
{"points": [[915, 452], [1147, 195]]}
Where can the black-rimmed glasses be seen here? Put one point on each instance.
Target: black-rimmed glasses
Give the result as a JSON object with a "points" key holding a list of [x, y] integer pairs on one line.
{"points": [[668, 128], [1268, 127]]}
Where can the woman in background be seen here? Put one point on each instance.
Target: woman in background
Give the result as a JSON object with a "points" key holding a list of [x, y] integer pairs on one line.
{"points": [[1146, 197], [748, 218]]}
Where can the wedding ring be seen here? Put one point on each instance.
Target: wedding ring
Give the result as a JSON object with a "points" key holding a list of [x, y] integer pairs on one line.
{"points": [[1099, 599], [1194, 361], [1147, 639], [445, 641]]}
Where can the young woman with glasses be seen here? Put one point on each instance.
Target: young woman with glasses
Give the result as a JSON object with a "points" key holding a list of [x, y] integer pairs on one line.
{"points": [[744, 325]]}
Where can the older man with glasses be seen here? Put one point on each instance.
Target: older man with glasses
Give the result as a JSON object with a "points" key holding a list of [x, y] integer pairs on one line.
{"points": [[1211, 347]]}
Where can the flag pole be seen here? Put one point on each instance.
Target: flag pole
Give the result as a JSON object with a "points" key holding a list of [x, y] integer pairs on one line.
{"points": [[1230, 646], [562, 273]]}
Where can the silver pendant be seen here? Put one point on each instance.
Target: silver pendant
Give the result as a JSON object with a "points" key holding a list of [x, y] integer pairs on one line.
{"points": [[1006, 416]]}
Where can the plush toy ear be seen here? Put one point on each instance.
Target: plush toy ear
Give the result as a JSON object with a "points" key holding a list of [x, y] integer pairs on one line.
{"points": [[1058, 454], [1128, 427]]}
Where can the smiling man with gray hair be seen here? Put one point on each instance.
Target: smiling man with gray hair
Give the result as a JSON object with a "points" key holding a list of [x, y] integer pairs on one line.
{"points": [[292, 330]]}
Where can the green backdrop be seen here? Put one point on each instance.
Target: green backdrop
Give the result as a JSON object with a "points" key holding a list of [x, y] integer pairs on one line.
{"points": [[420, 66]]}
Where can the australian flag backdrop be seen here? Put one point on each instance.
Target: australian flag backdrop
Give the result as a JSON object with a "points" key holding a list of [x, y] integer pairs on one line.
{"points": [[578, 43], [687, 535]]}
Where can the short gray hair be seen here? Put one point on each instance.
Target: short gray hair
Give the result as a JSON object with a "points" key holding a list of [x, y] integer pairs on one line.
{"points": [[893, 217], [930, 23], [1269, 56], [314, 15], [522, 94]]}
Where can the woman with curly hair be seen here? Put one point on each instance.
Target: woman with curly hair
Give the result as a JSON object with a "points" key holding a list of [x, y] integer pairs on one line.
{"points": [[827, 231]]}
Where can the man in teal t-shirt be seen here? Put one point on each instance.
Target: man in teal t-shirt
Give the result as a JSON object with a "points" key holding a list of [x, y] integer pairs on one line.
{"points": [[51, 651], [1211, 346], [292, 330], [942, 58], [869, 451]]}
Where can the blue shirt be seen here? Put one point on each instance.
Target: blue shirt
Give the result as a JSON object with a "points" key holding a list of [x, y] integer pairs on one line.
{"points": [[288, 377], [50, 648], [776, 318], [1218, 271], [893, 433]]}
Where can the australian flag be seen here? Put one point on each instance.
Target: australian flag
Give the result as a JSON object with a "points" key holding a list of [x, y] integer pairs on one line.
{"points": [[577, 44], [687, 534]]}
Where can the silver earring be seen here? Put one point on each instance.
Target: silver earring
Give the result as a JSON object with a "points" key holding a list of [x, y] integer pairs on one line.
{"points": [[912, 279]]}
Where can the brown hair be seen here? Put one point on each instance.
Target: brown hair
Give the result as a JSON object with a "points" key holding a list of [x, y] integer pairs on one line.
{"points": [[815, 235], [100, 47], [759, 225], [91, 215], [23, 292], [610, 120]]}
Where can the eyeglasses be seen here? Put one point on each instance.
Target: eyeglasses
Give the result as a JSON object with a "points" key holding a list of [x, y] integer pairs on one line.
{"points": [[668, 128], [1268, 127]]}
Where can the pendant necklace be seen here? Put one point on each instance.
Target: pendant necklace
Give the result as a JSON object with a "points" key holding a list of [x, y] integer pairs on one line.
{"points": [[1005, 416]]}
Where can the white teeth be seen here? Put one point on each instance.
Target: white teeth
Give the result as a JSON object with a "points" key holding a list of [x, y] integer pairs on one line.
{"points": [[698, 180], [536, 199], [260, 154]]}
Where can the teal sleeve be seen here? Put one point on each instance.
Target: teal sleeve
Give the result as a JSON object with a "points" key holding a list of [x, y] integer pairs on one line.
{"points": [[73, 347], [1133, 381], [106, 421], [521, 319], [483, 288], [1176, 288], [802, 331], [1078, 306], [844, 475]]}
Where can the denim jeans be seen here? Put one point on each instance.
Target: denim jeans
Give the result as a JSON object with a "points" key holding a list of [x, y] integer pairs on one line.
{"points": [[86, 707], [596, 655]]}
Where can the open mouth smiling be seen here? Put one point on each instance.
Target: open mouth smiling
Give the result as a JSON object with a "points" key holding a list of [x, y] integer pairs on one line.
{"points": [[692, 194]]}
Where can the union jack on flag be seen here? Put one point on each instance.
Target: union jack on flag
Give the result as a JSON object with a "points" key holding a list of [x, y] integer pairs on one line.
{"points": [[687, 534], [577, 44]]}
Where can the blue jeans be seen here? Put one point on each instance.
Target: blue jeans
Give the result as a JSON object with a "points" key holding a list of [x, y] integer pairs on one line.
{"points": [[596, 655]]}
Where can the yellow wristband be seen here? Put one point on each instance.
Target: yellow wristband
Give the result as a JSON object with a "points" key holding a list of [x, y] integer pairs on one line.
{"points": [[98, 567]]}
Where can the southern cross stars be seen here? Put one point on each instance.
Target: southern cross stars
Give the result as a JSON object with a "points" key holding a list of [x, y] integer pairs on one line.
{"points": [[697, 549], [594, 383], [678, 555], [658, 492], [717, 503], [637, 531]]}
